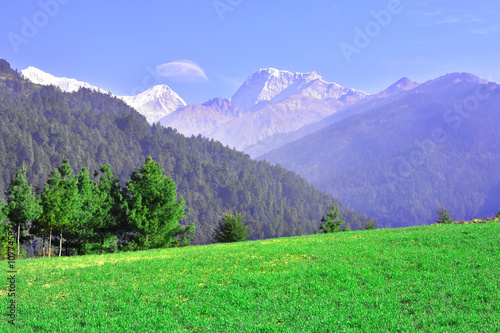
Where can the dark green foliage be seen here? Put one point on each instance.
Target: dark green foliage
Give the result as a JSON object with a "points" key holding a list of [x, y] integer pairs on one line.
{"points": [[230, 229], [5, 227], [152, 208], [22, 206], [329, 224], [39, 125], [108, 219], [61, 205], [443, 217]]}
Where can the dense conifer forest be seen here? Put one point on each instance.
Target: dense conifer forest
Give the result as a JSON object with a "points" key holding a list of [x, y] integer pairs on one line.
{"points": [[41, 125]]}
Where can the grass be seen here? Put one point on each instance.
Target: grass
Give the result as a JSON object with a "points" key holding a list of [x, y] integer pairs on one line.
{"points": [[441, 278]]}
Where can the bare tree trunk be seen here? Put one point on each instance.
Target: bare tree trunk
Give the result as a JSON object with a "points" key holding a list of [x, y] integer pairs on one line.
{"points": [[60, 244], [50, 240], [18, 238], [43, 243]]}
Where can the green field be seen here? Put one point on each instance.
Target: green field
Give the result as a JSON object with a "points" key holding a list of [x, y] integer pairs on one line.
{"points": [[443, 278]]}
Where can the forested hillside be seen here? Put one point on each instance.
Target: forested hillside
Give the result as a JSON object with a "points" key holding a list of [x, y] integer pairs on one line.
{"points": [[39, 125], [398, 159]]}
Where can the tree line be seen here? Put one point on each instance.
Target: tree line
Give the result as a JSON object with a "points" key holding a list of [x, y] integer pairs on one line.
{"points": [[78, 214], [39, 125]]}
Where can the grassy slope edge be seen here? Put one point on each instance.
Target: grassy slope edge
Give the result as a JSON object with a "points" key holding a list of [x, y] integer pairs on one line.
{"points": [[429, 278]]}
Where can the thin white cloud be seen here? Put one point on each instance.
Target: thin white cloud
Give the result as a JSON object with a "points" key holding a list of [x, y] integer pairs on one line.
{"points": [[184, 69], [477, 19]]}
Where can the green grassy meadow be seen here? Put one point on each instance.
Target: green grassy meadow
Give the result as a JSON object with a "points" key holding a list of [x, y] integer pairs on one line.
{"points": [[443, 278]]}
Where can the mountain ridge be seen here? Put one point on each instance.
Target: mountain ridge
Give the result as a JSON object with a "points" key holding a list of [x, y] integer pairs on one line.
{"points": [[154, 103], [390, 160]]}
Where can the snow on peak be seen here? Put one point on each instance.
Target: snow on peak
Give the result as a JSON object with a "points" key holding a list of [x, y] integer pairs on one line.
{"points": [[154, 103], [270, 85], [38, 76]]}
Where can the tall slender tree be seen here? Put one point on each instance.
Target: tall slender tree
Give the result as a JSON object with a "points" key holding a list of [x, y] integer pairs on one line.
{"points": [[107, 222], [153, 208], [86, 207], [60, 203], [22, 205]]}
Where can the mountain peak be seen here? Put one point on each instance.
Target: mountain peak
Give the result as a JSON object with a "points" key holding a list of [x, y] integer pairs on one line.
{"points": [[462, 77], [216, 101], [270, 85], [452, 81], [156, 102], [38, 76]]}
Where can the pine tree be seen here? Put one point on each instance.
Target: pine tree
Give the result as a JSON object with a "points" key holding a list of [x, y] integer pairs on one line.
{"points": [[443, 217], [153, 208], [22, 205], [60, 203], [107, 222], [88, 204], [230, 229], [329, 225]]}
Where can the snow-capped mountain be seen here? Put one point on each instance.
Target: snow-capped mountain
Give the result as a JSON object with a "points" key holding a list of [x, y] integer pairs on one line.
{"points": [[38, 76], [154, 103], [270, 102], [270, 86]]}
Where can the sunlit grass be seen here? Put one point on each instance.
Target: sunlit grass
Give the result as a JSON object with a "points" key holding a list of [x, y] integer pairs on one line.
{"points": [[432, 278]]}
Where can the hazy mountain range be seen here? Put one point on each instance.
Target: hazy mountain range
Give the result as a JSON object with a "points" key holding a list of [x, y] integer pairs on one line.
{"points": [[380, 154], [270, 102], [399, 154]]}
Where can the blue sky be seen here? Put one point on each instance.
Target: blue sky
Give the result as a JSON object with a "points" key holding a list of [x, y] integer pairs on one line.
{"points": [[207, 48]]}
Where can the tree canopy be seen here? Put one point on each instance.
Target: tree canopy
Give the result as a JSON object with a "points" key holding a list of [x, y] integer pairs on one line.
{"points": [[230, 229]]}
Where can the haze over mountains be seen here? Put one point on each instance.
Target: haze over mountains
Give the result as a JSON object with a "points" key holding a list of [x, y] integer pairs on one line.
{"points": [[270, 102], [380, 154], [399, 154], [40, 125]]}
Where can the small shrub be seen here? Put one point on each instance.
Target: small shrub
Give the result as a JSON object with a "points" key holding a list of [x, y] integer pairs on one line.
{"points": [[371, 225], [230, 229], [443, 216], [329, 225]]}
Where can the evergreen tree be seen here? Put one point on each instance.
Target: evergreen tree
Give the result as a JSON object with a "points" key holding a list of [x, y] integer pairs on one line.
{"points": [[60, 203], [443, 217], [3, 215], [230, 229], [107, 222], [22, 205], [88, 205], [329, 225], [153, 208]]}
